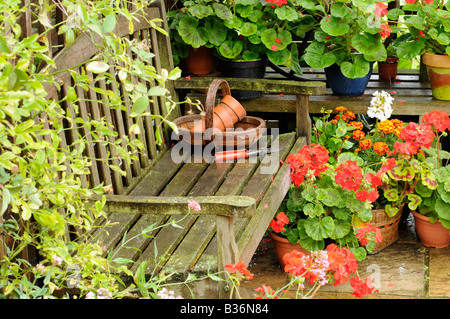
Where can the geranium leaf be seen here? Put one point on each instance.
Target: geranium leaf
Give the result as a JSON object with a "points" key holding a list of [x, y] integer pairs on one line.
{"points": [[222, 11], [201, 11], [319, 228], [218, 33], [317, 56], [411, 49], [191, 33], [286, 13], [358, 69], [248, 29], [334, 26], [230, 49], [428, 179], [415, 201], [340, 230], [367, 43], [279, 57], [423, 190], [339, 9], [442, 209], [391, 211], [391, 194]]}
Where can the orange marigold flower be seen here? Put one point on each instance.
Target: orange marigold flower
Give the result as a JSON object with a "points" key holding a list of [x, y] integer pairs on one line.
{"points": [[349, 115], [356, 124], [365, 144], [340, 109], [386, 126], [397, 123], [358, 135], [380, 148]]}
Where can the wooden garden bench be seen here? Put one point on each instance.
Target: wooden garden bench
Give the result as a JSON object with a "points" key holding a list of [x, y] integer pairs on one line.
{"points": [[238, 199]]}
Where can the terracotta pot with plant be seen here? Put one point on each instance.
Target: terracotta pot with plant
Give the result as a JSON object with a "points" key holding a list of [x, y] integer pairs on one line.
{"points": [[387, 69], [428, 35], [423, 176]]}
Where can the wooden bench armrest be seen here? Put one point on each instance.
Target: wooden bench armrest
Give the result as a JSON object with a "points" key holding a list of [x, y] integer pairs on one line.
{"points": [[266, 85], [227, 206]]}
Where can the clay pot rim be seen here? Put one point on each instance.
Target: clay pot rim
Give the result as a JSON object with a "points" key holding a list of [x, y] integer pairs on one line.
{"points": [[390, 60], [436, 60], [420, 216]]}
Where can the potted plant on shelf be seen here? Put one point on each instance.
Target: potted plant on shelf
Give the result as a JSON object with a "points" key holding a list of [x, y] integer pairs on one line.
{"points": [[348, 40], [425, 177], [336, 183], [248, 31], [428, 35], [387, 69]]}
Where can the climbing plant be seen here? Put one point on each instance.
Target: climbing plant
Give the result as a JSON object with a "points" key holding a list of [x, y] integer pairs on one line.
{"points": [[43, 207]]}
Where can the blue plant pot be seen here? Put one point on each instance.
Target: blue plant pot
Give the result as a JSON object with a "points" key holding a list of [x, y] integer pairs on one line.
{"points": [[341, 85]]}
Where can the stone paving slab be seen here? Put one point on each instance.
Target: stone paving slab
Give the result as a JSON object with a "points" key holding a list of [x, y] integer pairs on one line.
{"points": [[405, 269], [439, 272]]}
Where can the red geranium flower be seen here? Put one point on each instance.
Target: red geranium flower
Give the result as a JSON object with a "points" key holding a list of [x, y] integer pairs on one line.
{"points": [[437, 119], [385, 30], [278, 225], [361, 288], [381, 9], [349, 175]]}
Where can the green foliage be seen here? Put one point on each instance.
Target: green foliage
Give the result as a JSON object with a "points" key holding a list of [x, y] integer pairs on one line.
{"points": [[348, 35], [242, 30], [43, 196]]}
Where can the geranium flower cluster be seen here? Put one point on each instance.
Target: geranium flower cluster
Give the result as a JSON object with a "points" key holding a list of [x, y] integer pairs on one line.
{"points": [[239, 269], [365, 233], [310, 161], [333, 264], [415, 136]]}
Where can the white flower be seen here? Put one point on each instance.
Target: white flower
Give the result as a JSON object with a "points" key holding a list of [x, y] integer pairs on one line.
{"points": [[380, 106]]}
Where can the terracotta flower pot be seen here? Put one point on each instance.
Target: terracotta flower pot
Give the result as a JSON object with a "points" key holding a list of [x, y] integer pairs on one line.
{"points": [[438, 67], [222, 113], [200, 61], [235, 109], [431, 234], [220, 122], [282, 246], [388, 69]]}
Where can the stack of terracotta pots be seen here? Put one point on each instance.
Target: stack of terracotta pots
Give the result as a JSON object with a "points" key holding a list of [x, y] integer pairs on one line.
{"points": [[226, 114]]}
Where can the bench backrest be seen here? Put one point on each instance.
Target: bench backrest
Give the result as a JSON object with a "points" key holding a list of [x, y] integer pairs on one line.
{"points": [[94, 102]]}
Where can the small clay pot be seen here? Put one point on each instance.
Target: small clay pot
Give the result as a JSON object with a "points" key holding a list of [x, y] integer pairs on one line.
{"points": [[238, 111], [282, 246], [200, 61], [388, 69], [218, 123], [224, 117]]}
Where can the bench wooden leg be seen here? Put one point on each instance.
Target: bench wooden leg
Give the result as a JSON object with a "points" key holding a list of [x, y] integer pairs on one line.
{"points": [[303, 119], [227, 251]]}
